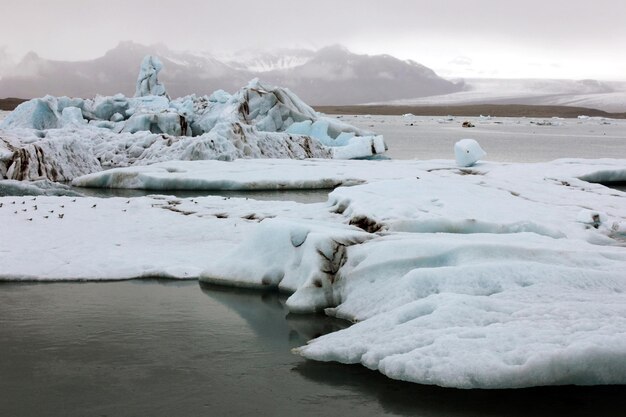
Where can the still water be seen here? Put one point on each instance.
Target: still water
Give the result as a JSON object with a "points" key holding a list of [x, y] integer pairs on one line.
{"points": [[505, 139], [171, 348]]}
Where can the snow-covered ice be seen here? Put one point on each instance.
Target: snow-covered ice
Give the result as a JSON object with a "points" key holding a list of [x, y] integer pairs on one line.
{"points": [[482, 311], [256, 174], [494, 276], [73, 238]]}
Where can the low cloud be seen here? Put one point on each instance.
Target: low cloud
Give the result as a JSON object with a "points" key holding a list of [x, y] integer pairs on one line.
{"points": [[463, 61], [7, 61]]}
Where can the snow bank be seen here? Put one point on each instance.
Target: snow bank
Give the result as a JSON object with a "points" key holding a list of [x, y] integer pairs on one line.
{"points": [[118, 131]]}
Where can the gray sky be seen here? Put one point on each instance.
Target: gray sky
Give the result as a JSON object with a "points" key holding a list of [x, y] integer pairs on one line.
{"points": [[488, 38]]}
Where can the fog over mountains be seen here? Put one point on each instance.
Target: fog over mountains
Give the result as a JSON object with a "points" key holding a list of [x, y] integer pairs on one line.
{"points": [[331, 75]]}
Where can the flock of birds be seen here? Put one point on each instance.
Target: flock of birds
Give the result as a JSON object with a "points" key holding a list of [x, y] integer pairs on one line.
{"points": [[47, 213], [34, 207]]}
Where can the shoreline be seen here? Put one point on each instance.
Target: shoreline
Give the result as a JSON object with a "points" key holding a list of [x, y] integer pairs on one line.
{"points": [[469, 110], [473, 110]]}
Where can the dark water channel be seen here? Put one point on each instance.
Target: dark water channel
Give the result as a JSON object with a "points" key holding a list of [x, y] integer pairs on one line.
{"points": [[168, 348]]}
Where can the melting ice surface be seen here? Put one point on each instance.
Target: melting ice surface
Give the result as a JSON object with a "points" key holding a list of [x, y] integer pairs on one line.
{"points": [[498, 275]]}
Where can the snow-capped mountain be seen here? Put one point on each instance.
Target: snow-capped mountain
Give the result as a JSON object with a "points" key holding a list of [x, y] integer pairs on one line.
{"points": [[332, 75], [265, 61]]}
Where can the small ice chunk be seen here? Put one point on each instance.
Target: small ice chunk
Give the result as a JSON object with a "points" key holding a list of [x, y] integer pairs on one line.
{"points": [[467, 152], [591, 217]]}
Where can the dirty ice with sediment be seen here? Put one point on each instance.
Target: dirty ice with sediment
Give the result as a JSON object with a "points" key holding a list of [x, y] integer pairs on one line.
{"points": [[460, 273]]}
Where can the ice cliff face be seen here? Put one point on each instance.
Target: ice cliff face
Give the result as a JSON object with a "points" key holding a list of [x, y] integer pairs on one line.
{"points": [[60, 138]]}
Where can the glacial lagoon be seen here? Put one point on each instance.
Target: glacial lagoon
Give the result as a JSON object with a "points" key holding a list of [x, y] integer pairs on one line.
{"points": [[165, 348]]}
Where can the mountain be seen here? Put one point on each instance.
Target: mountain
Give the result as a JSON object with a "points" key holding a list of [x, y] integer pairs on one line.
{"points": [[265, 61], [116, 72], [334, 75], [331, 75]]}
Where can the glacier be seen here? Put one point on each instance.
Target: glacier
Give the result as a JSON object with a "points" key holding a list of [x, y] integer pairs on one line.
{"points": [[61, 138]]}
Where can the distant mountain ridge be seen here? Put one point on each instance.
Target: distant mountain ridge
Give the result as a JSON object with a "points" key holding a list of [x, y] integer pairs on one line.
{"points": [[331, 75]]}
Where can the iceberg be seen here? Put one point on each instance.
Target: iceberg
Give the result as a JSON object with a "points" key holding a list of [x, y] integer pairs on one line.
{"points": [[61, 138], [467, 152], [148, 83]]}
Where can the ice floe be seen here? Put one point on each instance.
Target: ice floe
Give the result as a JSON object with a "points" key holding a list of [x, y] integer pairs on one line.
{"points": [[39, 187], [494, 276], [482, 311]]}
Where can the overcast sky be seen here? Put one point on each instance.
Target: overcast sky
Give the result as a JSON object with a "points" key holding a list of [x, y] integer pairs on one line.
{"points": [[464, 38]]}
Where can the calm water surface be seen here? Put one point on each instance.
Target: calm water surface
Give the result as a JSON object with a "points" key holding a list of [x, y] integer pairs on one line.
{"points": [[504, 139], [168, 348]]}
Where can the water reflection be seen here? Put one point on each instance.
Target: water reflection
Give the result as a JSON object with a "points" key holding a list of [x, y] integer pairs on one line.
{"points": [[267, 315]]}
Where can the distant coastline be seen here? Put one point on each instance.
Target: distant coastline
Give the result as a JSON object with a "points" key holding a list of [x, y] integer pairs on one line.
{"points": [[472, 110], [8, 104]]}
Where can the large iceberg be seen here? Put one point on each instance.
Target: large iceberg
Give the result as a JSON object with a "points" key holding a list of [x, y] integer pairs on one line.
{"points": [[60, 138]]}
